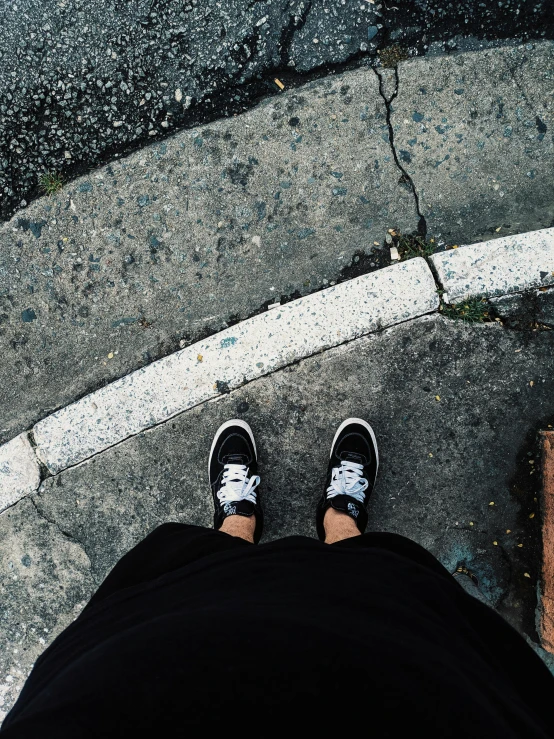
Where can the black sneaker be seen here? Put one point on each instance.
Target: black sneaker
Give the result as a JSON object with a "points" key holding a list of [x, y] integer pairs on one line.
{"points": [[351, 475], [232, 460]]}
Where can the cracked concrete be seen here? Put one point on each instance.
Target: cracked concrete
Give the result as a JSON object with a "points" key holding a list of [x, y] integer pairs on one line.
{"points": [[474, 132], [46, 581], [456, 419], [187, 236], [388, 89]]}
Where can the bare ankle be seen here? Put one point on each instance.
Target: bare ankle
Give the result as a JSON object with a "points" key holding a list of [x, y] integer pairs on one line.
{"points": [[339, 526], [241, 526]]}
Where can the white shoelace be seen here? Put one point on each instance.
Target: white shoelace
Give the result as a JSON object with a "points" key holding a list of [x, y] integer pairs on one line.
{"points": [[235, 484], [347, 480]]}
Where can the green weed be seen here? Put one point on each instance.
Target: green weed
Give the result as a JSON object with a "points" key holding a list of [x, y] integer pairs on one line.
{"points": [[475, 310], [50, 182]]}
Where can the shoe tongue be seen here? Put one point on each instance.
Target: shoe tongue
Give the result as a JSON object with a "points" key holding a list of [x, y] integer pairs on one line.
{"points": [[353, 457], [235, 459]]}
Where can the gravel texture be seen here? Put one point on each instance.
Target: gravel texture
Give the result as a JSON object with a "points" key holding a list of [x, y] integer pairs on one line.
{"points": [[81, 83]]}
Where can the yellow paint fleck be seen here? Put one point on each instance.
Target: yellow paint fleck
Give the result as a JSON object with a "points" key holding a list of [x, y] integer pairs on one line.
{"points": [[437, 397], [430, 454], [498, 229], [495, 543], [279, 84], [508, 531], [492, 502], [200, 358], [531, 383], [110, 355], [520, 546], [526, 574], [471, 523], [531, 515]]}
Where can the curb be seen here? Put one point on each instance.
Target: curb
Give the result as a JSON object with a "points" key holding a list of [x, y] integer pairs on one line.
{"points": [[546, 626], [229, 359], [506, 265], [19, 471], [268, 342]]}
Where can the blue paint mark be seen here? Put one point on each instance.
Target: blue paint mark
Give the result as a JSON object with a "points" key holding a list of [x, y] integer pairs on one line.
{"points": [[198, 142], [364, 200], [285, 184], [339, 191], [143, 200], [303, 233], [417, 117], [229, 341], [405, 156], [338, 175], [459, 91], [35, 227], [412, 142], [440, 129], [28, 315], [123, 322], [85, 187], [26, 560]]}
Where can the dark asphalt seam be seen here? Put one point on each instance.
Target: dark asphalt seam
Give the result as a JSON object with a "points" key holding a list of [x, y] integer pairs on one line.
{"points": [[422, 223]]}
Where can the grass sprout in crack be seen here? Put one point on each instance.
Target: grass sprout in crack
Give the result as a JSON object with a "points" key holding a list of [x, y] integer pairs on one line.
{"points": [[410, 247], [475, 310], [50, 183]]}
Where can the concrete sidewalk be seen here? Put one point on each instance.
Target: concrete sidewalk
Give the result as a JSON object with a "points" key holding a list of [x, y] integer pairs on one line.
{"points": [[455, 407], [187, 236]]}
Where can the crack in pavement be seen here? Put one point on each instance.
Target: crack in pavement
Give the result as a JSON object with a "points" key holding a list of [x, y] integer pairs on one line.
{"points": [[405, 177], [64, 533]]}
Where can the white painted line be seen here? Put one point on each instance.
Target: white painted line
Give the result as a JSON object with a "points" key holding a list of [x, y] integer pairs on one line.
{"points": [[19, 471], [250, 349], [507, 265]]}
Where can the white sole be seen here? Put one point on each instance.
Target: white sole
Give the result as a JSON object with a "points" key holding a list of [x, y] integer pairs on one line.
{"points": [[366, 425], [221, 429]]}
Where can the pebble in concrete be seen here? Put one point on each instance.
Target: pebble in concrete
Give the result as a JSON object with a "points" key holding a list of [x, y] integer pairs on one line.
{"points": [[232, 357], [19, 471], [505, 265]]}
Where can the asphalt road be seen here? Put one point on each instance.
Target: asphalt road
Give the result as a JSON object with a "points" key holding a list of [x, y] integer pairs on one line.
{"points": [[83, 83]]}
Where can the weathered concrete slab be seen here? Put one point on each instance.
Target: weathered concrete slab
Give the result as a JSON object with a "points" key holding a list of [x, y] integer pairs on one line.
{"points": [[19, 471], [187, 235], [80, 83], [252, 348], [45, 581], [506, 265], [455, 415], [474, 131]]}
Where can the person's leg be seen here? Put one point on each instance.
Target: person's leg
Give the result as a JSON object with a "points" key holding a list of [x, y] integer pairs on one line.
{"points": [[232, 468], [238, 518], [339, 526], [354, 460], [240, 526]]}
